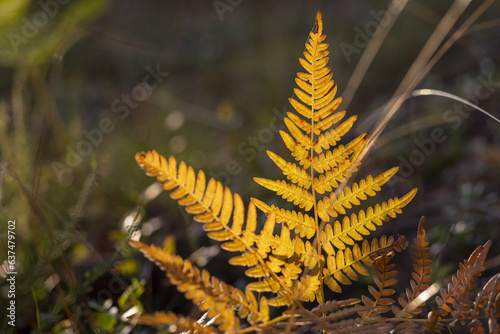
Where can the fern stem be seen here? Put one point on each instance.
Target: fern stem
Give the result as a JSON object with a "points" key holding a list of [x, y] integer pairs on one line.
{"points": [[321, 295], [270, 322]]}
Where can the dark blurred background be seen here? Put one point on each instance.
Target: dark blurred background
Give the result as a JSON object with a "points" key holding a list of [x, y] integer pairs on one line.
{"points": [[87, 84]]}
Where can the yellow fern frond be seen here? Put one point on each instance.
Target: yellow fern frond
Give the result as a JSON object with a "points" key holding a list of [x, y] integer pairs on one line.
{"points": [[336, 204], [315, 146], [330, 138], [332, 178], [297, 195], [210, 294], [340, 264], [303, 224], [318, 127], [358, 225], [330, 159], [307, 287], [211, 204], [264, 285], [175, 323], [294, 173], [247, 237], [214, 206]]}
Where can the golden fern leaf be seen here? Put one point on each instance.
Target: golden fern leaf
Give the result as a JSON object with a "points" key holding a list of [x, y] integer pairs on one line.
{"points": [[303, 224], [175, 323], [330, 159], [340, 264], [214, 206], [421, 276], [331, 137], [291, 171], [307, 287], [211, 204], [205, 201], [353, 228], [332, 178], [313, 141], [292, 193], [316, 92], [211, 295], [307, 254], [334, 205]]}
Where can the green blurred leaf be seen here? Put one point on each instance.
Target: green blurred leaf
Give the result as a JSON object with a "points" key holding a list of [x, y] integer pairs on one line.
{"points": [[12, 10], [131, 296], [105, 320], [27, 40], [127, 267]]}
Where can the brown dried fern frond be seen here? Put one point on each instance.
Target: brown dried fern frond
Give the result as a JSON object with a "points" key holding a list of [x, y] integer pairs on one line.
{"points": [[384, 273], [487, 302], [420, 277], [455, 303]]}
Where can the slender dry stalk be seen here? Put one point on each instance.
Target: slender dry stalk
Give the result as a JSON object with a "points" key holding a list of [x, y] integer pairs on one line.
{"points": [[371, 50]]}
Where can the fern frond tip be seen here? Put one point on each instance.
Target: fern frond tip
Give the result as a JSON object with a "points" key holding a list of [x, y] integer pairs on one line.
{"points": [[408, 197], [319, 23], [135, 244]]}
